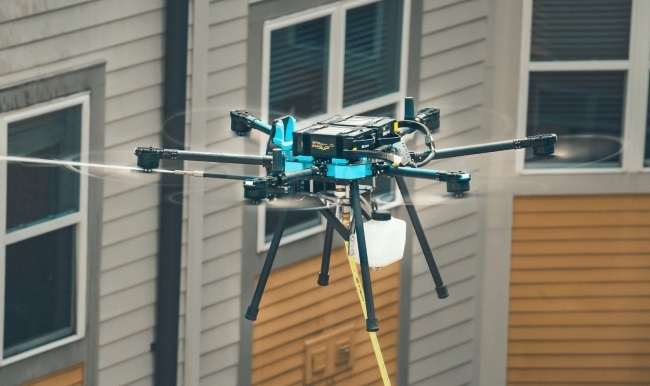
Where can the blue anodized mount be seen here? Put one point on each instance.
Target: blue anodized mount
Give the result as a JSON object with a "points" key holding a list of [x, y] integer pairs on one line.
{"points": [[336, 168]]}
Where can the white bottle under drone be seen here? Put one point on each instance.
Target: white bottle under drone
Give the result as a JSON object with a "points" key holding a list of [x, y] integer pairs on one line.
{"points": [[385, 239]]}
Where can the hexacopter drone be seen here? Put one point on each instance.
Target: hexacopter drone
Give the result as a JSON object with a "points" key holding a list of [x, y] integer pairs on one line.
{"points": [[324, 163]]}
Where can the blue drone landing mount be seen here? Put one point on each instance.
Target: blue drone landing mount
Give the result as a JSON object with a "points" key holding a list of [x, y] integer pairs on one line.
{"points": [[337, 152], [336, 168]]}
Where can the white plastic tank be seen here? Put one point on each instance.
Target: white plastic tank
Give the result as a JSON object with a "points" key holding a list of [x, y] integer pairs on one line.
{"points": [[385, 239]]}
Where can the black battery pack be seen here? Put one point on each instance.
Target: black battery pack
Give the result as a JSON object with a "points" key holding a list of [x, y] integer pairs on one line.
{"points": [[329, 138]]}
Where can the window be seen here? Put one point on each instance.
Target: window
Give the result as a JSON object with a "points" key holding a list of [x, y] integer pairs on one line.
{"points": [[584, 76], [43, 258], [342, 58]]}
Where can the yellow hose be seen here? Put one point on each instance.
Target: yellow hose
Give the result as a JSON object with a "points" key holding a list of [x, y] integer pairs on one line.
{"points": [[362, 300]]}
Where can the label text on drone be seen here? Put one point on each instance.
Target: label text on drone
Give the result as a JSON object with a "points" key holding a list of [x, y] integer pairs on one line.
{"points": [[321, 146]]}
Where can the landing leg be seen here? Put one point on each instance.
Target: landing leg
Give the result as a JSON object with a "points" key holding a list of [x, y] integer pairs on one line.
{"points": [[253, 309], [324, 275], [441, 288], [372, 324]]}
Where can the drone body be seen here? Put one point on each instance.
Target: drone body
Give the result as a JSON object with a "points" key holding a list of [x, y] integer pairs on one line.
{"points": [[324, 163]]}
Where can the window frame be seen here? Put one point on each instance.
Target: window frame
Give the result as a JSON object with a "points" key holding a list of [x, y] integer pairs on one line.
{"points": [[79, 218], [336, 65], [636, 67]]}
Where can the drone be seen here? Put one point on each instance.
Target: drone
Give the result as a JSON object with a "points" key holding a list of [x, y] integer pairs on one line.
{"points": [[324, 164]]}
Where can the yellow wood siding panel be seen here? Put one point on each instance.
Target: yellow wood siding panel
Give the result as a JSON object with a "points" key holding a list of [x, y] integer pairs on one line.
{"points": [[295, 309], [71, 376], [580, 290]]}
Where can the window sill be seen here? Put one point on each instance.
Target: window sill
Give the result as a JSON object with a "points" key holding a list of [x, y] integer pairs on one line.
{"points": [[41, 349]]}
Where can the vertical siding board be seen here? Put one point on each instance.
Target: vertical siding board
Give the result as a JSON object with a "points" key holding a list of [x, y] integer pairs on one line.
{"points": [[222, 221], [451, 77]]}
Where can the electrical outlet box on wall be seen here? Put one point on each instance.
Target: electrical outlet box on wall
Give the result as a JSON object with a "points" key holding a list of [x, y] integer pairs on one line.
{"points": [[330, 353]]}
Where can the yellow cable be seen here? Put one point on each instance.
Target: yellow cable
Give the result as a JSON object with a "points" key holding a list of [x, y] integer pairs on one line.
{"points": [[362, 300]]}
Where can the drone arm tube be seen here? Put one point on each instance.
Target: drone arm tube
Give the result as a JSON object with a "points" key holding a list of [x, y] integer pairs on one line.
{"points": [[324, 275], [413, 172], [149, 157], [261, 126], [300, 174], [543, 142], [262, 160], [474, 149]]}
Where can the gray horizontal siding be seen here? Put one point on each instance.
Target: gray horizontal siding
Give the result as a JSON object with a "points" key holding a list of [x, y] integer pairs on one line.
{"points": [[18, 9], [454, 37], [80, 42], [48, 25], [451, 77], [128, 37], [223, 212], [135, 369]]}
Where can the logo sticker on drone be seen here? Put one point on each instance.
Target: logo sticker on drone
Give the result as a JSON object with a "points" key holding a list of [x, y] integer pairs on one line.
{"points": [[321, 146]]}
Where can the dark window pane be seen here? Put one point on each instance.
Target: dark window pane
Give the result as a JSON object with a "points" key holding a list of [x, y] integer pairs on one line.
{"points": [[585, 110], [36, 193], [372, 51], [299, 65], [39, 299], [384, 111], [580, 30], [297, 221]]}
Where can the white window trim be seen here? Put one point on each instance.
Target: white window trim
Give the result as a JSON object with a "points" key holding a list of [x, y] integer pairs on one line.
{"points": [[337, 13], [636, 91], [80, 218]]}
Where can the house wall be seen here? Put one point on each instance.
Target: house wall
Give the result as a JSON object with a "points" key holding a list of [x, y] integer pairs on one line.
{"points": [[467, 64], [299, 313], [442, 334], [495, 216], [128, 36], [222, 230], [49, 36], [210, 298], [578, 288]]}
